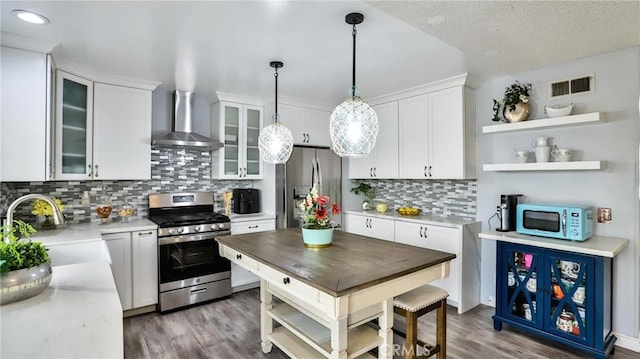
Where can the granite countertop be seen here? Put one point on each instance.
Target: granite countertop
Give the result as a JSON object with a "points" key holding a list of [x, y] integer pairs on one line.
{"points": [[78, 316], [596, 245], [422, 218], [89, 232]]}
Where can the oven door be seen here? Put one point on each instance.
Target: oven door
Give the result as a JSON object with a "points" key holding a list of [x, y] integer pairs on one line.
{"points": [[190, 260]]}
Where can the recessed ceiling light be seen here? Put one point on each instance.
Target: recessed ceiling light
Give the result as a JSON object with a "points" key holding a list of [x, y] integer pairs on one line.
{"points": [[31, 17]]}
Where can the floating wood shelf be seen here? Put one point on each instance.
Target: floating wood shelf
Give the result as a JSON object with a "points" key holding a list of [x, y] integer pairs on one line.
{"points": [[583, 119], [545, 166]]}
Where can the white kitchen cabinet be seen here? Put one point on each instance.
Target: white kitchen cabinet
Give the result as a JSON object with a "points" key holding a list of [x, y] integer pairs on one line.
{"points": [[309, 126], [370, 226], [382, 162], [119, 245], [121, 130], [462, 284], [241, 277], [134, 263], [25, 120], [97, 126], [238, 126], [437, 135]]}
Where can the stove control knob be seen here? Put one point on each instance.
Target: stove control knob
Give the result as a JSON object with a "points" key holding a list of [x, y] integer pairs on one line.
{"points": [[213, 227], [196, 228], [172, 231], [180, 230], [221, 225]]}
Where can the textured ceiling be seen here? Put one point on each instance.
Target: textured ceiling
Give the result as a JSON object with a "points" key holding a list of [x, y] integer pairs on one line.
{"points": [[208, 46], [515, 36]]}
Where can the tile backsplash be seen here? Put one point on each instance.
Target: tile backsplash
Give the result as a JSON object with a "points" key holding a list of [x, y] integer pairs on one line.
{"points": [[438, 197], [172, 170]]}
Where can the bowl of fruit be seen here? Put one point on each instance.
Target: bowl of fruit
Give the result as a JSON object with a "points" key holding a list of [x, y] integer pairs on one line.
{"points": [[409, 211]]}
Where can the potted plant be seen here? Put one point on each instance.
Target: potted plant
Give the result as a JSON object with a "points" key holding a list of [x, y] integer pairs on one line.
{"points": [[25, 268], [368, 192], [514, 104], [317, 230]]}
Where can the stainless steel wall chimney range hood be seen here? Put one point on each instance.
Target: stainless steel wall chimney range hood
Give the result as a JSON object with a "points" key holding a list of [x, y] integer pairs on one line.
{"points": [[182, 127]]}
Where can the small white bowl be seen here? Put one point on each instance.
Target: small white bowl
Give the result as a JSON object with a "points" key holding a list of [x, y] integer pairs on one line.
{"points": [[558, 111]]}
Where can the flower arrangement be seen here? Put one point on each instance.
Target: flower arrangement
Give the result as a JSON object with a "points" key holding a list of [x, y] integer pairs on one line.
{"points": [[514, 94], [315, 209], [43, 208]]}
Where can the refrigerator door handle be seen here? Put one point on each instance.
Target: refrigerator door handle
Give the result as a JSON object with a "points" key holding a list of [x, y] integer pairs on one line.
{"points": [[320, 189], [313, 173]]}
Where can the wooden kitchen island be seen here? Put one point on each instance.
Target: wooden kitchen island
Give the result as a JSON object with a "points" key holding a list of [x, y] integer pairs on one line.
{"points": [[327, 296]]}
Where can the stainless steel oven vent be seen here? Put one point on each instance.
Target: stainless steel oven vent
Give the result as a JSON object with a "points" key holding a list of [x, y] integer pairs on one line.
{"points": [[182, 134]]}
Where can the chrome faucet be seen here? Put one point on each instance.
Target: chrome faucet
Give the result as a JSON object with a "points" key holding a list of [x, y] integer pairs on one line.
{"points": [[58, 218]]}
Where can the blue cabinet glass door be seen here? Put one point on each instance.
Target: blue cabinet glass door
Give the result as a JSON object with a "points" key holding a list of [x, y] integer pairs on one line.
{"points": [[522, 297], [570, 299]]}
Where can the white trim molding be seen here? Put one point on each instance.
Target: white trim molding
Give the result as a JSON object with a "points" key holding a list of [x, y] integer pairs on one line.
{"points": [[94, 76], [627, 342]]}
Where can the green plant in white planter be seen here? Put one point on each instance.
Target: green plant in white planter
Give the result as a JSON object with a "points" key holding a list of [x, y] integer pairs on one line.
{"points": [[25, 268], [367, 191]]}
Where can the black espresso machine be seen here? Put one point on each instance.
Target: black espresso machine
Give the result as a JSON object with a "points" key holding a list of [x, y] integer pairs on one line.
{"points": [[507, 211]]}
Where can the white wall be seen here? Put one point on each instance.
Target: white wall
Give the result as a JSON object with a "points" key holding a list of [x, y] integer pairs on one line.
{"points": [[616, 94]]}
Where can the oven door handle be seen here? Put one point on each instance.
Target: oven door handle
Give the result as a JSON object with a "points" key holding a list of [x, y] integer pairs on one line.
{"points": [[192, 237]]}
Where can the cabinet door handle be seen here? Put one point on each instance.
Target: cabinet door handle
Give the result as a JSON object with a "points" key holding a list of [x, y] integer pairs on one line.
{"points": [[371, 223], [425, 171], [286, 280], [251, 227], [425, 232], [238, 256], [245, 171], [370, 171], [374, 171], [90, 171], [198, 291], [421, 232], [96, 168], [430, 172], [145, 233]]}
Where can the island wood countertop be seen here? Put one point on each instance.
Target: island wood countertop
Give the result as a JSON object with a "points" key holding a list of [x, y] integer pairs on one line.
{"points": [[352, 263]]}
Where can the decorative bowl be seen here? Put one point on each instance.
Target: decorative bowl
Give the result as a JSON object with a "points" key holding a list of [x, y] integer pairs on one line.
{"points": [[558, 111], [24, 283], [409, 211]]}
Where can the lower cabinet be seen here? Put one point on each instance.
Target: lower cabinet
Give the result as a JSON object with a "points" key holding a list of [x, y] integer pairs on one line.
{"points": [[134, 263], [241, 277], [463, 282], [370, 226], [560, 295]]}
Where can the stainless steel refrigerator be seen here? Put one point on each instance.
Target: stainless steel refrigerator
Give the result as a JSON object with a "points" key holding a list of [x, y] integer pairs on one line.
{"points": [[306, 166]]}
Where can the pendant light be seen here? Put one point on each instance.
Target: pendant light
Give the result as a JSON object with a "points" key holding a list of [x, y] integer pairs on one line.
{"points": [[354, 124], [275, 142]]}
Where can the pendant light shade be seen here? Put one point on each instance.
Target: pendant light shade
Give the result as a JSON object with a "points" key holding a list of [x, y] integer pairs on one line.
{"points": [[354, 124], [275, 142]]}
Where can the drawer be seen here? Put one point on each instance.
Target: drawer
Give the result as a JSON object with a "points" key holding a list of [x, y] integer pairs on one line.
{"points": [[253, 226], [288, 284], [240, 259]]}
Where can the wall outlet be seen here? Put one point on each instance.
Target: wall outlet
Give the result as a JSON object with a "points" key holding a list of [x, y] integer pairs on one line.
{"points": [[492, 301]]}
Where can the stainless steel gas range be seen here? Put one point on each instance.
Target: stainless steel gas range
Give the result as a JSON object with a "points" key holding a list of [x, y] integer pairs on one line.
{"points": [[191, 269]]}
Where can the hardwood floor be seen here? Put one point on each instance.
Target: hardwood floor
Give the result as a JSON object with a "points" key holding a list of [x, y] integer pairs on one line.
{"points": [[230, 328]]}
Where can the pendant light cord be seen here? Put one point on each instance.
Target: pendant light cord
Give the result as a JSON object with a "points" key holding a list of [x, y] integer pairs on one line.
{"points": [[276, 77], [353, 85]]}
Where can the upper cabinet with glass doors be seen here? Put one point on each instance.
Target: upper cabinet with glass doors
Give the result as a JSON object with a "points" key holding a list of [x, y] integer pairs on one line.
{"points": [[74, 127], [237, 126], [103, 131]]}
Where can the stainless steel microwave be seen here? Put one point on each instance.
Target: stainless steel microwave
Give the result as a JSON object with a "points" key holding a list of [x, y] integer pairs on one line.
{"points": [[572, 222]]}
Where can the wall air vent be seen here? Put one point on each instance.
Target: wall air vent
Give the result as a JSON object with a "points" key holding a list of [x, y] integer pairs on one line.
{"points": [[575, 86]]}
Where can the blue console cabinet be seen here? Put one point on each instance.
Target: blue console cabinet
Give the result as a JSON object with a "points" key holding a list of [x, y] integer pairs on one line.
{"points": [[560, 295]]}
